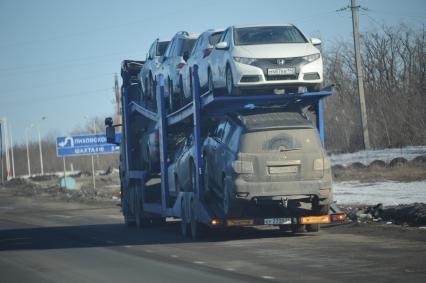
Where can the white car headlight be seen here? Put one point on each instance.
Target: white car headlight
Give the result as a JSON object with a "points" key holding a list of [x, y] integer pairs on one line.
{"points": [[244, 60], [312, 57]]}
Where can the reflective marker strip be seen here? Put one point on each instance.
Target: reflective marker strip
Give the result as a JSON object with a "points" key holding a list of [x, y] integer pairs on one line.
{"points": [[315, 219]]}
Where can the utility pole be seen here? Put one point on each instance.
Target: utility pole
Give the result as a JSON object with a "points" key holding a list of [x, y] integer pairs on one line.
{"points": [[360, 77], [5, 140], [28, 153], [39, 146], [1, 152], [12, 153]]}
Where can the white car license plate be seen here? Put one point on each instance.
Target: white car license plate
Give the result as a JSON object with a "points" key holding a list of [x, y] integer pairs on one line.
{"points": [[277, 221], [281, 71], [282, 169]]}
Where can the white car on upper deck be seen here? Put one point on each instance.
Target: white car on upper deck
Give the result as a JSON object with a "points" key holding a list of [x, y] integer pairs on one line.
{"points": [[276, 58]]}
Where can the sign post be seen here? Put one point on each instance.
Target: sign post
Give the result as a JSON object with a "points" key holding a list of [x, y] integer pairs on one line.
{"points": [[85, 145], [65, 174]]}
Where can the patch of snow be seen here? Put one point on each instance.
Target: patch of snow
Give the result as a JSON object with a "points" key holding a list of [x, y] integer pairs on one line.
{"points": [[387, 193], [386, 155]]}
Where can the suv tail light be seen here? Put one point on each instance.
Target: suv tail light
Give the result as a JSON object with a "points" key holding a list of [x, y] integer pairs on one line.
{"points": [[207, 52], [242, 167]]}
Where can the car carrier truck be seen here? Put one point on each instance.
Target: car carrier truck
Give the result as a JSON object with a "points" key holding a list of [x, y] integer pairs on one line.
{"points": [[149, 198]]}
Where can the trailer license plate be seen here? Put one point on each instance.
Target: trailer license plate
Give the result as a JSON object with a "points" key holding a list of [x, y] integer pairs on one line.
{"points": [[277, 221], [282, 169], [281, 71]]}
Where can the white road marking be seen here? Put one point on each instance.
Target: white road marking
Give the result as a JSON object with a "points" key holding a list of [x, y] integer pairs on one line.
{"points": [[61, 216], [174, 256], [148, 251], [113, 216], [230, 269], [127, 246], [199, 262], [267, 277]]}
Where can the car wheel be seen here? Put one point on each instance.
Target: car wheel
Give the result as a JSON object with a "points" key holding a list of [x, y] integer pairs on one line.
{"points": [[192, 176], [149, 165], [171, 106], [196, 227], [297, 228], [129, 217], [206, 182], [181, 93], [152, 87], [210, 82], [312, 228], [138, 210], [183, 222], [231, 206], [230, 88]]}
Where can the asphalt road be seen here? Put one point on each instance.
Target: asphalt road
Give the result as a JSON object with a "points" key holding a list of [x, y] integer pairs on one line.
{"points": [[45, 240]]}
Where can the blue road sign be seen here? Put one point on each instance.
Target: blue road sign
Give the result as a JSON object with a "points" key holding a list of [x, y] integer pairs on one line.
{"points": [[86, 145]]}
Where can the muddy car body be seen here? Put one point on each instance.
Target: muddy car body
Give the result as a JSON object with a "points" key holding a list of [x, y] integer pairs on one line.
{"points": [[267, 157]]}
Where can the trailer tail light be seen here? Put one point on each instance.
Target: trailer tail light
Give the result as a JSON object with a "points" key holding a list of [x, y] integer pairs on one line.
{"points": [[215, 222], [338, 217], [207, 52], [315, 219]]}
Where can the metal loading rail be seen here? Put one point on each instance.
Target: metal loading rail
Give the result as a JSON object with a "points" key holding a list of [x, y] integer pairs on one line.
{"points": [[203, 106]]}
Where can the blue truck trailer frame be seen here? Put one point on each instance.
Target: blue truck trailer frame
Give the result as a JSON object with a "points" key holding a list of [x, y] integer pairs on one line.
{"points": [[189, 206]]}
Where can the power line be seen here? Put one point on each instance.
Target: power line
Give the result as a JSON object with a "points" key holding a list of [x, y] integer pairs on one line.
{"points": [[49, 84], [50, 98], [88, 58], [64, 35], [56, 67]]}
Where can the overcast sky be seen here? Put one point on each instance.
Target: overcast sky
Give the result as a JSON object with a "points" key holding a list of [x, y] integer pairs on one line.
{"points": [[58, 58]]}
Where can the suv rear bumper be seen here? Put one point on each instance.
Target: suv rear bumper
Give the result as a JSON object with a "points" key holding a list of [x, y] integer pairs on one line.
{"points": [[292, 190]]}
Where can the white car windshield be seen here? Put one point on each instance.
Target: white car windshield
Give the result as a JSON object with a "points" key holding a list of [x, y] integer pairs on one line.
{"points": [[268, 35]]}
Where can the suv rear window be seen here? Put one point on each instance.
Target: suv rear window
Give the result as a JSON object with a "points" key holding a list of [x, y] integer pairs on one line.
{"points": [[274, 120], [268, 35], [214, 38], [280, 140], [187, 45], [161, 47]]}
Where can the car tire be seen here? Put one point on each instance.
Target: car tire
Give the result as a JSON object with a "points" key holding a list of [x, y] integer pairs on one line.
{"points": [[230, 88], [312, 228], [149, 165], [152, 88], [231, 207], [181, 93], [183, 222], [197, 229], [210, 84], [206, 182], [297, 228], [171, 97], [140, 221]]}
